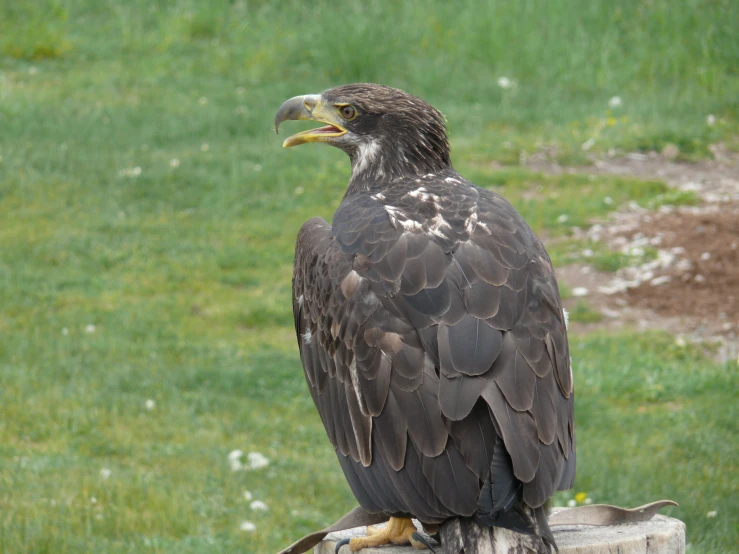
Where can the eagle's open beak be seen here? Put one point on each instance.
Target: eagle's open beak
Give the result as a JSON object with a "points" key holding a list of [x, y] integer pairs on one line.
{"points": [[310, 107]]}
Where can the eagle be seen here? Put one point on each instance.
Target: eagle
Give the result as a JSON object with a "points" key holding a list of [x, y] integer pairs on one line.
{"points": [[431, 330]]}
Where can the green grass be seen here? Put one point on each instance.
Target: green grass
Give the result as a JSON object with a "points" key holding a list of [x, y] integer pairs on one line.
{"points": [[565, 250], [184, 268], [556, 203], [582, 313], [658, 421]]}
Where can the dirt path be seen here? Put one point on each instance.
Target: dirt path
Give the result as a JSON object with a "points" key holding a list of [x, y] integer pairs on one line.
{"points": [[691, 288]]}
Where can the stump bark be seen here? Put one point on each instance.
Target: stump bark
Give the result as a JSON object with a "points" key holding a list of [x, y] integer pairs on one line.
{"points": [[660, 535]]}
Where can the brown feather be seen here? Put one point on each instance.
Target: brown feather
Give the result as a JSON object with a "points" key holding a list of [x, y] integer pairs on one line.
{"points": [[361, 424], [408, 361], [473, 346], [414, 278], [517, 382], [375, 389], [455, 484], [474, 437], [482, 300], [519, 433], [482, 263], [423, 415], [458, 394], [551, 467], [391, 431]]}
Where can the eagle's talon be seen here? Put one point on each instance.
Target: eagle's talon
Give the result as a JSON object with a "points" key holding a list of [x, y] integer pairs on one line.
{"points": [[397, 531], [339, 544], [419, 538], [374, 529]]}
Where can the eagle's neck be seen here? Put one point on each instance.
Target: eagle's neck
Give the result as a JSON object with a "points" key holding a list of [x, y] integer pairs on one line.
{"points": [[374, 163]]}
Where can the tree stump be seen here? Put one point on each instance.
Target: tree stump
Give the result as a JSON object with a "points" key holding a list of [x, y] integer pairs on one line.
{"points": [[660, 535]]}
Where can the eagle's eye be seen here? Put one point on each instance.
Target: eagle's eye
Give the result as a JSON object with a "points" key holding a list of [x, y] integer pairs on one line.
{"points": [[347, 112]]}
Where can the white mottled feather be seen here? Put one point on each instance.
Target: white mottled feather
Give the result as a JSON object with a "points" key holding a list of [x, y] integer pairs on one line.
{"points": [[366, 154]]}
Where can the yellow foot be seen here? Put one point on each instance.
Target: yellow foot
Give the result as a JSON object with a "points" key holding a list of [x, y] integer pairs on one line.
{"points": [[397, 531]]}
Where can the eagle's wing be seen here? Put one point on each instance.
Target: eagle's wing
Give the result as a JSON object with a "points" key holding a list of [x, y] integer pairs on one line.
{"points": [[434, 345]]}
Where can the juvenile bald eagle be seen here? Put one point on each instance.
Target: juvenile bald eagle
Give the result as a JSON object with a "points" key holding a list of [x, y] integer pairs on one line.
{"points": [[430, 329]]}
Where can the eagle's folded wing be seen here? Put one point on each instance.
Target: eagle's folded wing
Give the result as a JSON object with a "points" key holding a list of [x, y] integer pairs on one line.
{"points": [[434, 346]]}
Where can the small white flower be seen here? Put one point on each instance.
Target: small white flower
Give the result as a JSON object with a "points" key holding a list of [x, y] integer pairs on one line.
{"points": [[234, 460], [580, 291], [248, 526], [257, 460], [130, 172], [608, 200], [680, 341], [588, 144], [563, 218], [711, 119], [93, 500], [105, 473], [615, 102], [587, 253], [712, 513], [572, 503], [588, 500], [65, 331], [247, 496], [202, 101], [258, 506], [174, 163], [235, 455], [506, 83], [150, 404], [204, 147], [298, 191], [90, 328]]}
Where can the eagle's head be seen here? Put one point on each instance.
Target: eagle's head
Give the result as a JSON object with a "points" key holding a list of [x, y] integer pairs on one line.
{"points": [[386, 132]]}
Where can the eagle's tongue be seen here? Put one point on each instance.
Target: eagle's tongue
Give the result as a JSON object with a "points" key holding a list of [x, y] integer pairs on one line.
{"points": [[326, 129]]}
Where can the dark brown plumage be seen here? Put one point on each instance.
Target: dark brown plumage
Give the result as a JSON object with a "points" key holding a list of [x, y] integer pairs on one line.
{"points": [[431, 330]]}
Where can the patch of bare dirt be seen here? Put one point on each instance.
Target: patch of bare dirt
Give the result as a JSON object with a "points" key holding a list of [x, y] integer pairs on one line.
{"points": [[708, 288], [691, 287]]}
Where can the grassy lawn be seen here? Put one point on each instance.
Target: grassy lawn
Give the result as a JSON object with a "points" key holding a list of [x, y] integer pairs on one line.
{"points": [[148, 218]]}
